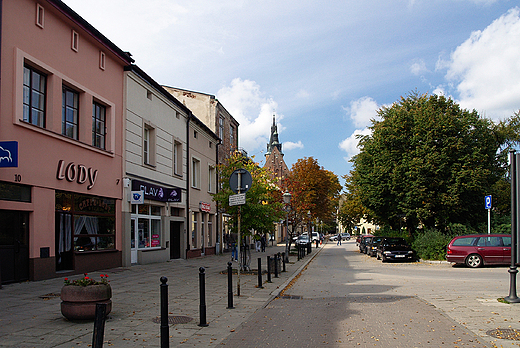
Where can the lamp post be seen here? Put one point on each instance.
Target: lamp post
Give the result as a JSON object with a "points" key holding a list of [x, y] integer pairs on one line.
{"points": [[287, 200]]}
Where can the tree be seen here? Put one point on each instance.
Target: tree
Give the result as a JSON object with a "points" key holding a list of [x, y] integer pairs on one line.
{"points": [[351, 210], [263, 200], [430, 162], [313, 190]]}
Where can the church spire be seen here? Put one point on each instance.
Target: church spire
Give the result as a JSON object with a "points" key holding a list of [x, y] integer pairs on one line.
{"points": [[273, 141]]}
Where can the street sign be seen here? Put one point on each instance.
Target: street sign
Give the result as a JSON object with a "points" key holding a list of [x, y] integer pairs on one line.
{"points": [[238, 199], [245, 181], [488, 202]]}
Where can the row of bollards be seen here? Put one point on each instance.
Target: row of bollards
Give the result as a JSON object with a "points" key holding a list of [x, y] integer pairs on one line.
{"points": [[274, 260]]}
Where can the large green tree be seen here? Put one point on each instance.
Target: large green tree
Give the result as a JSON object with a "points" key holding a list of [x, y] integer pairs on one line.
{"points": [[428, 162], [263, 200]]}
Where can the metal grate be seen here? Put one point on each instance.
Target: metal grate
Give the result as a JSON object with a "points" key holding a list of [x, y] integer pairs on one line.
{"points": [[174, 320], [49, 296], [291, 297], [505, 334]]}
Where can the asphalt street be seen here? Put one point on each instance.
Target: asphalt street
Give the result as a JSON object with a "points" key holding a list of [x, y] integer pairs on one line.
{"points": [[344, 299]]}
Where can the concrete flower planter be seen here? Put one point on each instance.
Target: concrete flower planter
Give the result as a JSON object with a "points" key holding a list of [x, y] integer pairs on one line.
{"points": [[79, 302]]}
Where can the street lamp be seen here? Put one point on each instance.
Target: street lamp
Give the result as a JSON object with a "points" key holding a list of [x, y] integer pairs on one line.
{"points": [[287, 200]]}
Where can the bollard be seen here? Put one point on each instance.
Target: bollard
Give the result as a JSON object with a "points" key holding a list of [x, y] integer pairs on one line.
{"points": [[298, 251], [99, 325], [268, 270], [260, 273], [309, 248], [230, 286], [317, 243], [202, 287], [165, 328], [275, 260], [283, 262]]}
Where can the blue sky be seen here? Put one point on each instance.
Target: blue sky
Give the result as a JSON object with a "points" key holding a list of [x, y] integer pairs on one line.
{"points": [[322, 67]]}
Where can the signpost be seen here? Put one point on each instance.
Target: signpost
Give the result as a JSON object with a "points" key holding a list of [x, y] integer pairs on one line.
{"points": [[488, 207], [240, 182]]}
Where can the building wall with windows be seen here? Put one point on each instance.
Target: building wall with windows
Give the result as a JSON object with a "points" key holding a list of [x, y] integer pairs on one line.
{"points": [[213, 114], [155, 163], [202, 216], [61, 111]]}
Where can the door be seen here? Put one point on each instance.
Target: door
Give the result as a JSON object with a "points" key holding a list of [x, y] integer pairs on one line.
{"points": [[175, 239], [133, 243], [14, 246], [491, 249], [63, 239]]}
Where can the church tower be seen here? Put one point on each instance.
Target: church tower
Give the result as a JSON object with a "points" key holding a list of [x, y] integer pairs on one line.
{"points": [[274, 161]]}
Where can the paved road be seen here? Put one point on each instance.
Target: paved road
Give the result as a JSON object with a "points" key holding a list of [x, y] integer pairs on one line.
{"points": [[344, 298]]}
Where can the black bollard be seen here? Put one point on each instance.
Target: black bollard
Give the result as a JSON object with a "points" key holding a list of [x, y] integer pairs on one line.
{"points": [[260, 273], [309, 248], [202, 287], [99, 325], [283, 262], [165, 328], [230, 286], [317, 243], [269, 269], [275, 260]]}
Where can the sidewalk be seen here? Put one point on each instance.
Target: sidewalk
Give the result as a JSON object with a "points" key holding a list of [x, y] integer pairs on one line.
{"points": [[30, 312]]}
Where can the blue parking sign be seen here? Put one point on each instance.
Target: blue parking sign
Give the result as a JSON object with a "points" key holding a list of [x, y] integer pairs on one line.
{"points": [[488, 202]]}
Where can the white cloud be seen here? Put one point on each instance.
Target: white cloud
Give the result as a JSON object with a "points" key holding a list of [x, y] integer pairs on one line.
{"points": [[246, 103], [362, 111], [485, 68], [418, 67], [350, 145], [302, 94], [289, 145]]}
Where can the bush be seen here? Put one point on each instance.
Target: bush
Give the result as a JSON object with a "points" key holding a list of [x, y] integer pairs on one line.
{"points": [[431, 244]]}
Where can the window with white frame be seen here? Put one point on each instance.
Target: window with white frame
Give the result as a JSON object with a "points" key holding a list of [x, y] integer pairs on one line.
{"points": [[232, 136], [148, 226], [211, 179], [149, 145], [221, 127], [177, 158], [70, 113], [195, 173], [34, 95]]}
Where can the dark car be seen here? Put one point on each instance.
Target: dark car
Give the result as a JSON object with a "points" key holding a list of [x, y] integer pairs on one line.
{"points": [[372, 247], [394, 248], [480, 249], [363, 243]]}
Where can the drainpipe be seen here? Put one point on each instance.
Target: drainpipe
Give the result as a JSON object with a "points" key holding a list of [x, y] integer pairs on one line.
{"points": [[188, 215]]}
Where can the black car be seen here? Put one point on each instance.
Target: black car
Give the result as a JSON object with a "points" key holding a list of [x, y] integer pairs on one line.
{"points": [[393, 248], [372, 247], [363, 244]]}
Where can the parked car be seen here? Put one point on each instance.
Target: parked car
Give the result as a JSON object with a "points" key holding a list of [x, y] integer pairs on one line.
{"points": [[345, 236], [303, 239], [372, 247], [333, 238], [360, 237], [363, 243], [394, 248], [480, 249], [315, 236]]}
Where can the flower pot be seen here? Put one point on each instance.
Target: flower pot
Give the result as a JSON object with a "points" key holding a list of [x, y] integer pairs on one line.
{"points": [[79, 302]]}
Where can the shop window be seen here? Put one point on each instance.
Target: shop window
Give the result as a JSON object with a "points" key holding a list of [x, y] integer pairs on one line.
{"points": [[70, 113], [85, 222], [98, 125], [148, 226], [210, 230], [34, 95], [194, 230]]}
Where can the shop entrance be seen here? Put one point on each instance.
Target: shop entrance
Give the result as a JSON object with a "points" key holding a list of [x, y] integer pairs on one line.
{"points": [[175, 239], [133, 243], [14, 246]]}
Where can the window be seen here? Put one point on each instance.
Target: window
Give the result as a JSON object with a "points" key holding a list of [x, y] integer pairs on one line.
{"points": [[149, 145], [34, 86], [102, 58], [195, 134], [221, 127], [148, 226], [74, 41], [195, 173], [202, 229], [70, 108], [177, 158], [194, 230], [231, 135], [211, 179], [210, 226], [98, 125], [40, 16]]}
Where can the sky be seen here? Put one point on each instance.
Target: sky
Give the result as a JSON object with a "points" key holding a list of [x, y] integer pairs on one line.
{"points": [[323, 68]]}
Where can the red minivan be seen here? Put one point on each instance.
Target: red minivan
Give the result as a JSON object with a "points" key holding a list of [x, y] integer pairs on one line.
{"points": [[480, 249]]}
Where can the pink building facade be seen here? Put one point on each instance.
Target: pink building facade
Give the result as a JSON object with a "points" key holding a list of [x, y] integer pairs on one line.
{"points": [[61, 114]]}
